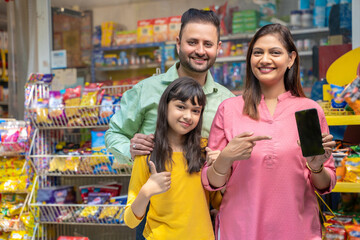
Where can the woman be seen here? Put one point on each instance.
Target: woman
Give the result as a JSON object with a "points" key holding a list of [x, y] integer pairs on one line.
{"points": [[269, 184]]}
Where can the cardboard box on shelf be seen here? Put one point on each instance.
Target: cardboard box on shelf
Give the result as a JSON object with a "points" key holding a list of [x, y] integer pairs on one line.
{"points": [[160, 29], [107, 32], [145, 32], [174, 27], [125, 38]]}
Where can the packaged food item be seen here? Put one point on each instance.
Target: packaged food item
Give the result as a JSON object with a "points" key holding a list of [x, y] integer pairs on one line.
{"points": [[89, 213], [337, 101], [42, 110], [58, 195], [108, 214], [335, 232], [160, 28], [57, 164], [351, 94], [91, 98], [106, 109], [14, 184], [40, 78], [352, 166], [97, 198], [125, 38], [85, 190], [56, 108], [174, 27], [85, 166], [72, 238], [72, 99], [145, 31], [19, 235], [97, 141]]}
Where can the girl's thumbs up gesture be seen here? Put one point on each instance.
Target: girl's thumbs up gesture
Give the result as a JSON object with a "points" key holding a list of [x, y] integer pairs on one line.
{"points": [[158, 182]]}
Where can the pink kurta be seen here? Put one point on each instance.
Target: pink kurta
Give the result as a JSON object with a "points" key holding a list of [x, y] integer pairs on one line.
{"points": [[268, 196]]}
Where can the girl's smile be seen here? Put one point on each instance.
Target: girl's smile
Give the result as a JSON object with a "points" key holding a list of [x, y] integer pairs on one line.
{"points": [[182, 117]]}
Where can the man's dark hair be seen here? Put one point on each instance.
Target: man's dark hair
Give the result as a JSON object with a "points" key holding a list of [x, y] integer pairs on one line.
{"points": [[200, 16]]}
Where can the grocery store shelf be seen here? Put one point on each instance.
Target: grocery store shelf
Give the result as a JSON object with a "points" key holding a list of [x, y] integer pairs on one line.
{"points": [[346, 187], [305, 53], [141, 45], [4, 103], [127, 67], [294, 32], [80, 214], [343, 120], [231, 59]]}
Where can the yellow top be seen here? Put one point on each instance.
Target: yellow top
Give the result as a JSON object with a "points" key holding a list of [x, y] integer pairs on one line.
{"points": [[180, 213]]}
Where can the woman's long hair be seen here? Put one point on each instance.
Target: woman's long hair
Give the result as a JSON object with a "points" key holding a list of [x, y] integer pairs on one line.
{"points": [[252, 93], [182, 89]]}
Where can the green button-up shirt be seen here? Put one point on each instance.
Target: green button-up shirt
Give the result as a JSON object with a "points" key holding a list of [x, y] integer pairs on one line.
{"points": [[138, 111]]}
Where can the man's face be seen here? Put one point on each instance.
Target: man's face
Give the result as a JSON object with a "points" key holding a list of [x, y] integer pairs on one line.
{"points": [[198, 47]]}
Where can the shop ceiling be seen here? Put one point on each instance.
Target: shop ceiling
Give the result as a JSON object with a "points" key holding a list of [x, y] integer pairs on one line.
{"points": [[90, 4]]}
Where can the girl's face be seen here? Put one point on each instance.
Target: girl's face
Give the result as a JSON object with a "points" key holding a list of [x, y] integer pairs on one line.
{"points": [[270, 59], [182, 117]]}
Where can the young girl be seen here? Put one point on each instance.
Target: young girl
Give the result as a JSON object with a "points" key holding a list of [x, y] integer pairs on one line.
{"points": [[170, 177]]}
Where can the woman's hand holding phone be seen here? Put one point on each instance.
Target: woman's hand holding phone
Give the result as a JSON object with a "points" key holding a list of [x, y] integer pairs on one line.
{"points": [[315, 162]]}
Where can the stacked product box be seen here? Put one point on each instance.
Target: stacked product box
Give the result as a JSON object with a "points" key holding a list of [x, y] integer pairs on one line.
{"points": [[108, 30], [245, 21], [158, 29]]}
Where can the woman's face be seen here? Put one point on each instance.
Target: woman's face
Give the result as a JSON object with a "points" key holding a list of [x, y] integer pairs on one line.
{"points": [[269, 60]]}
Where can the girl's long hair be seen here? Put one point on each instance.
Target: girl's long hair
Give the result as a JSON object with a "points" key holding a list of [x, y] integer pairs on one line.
{"points": [[182, 89], [252, 93]]}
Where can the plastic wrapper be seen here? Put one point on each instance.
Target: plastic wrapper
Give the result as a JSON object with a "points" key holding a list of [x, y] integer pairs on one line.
{"points": [[351, 94], [58, 195], [352, 166], [90, 99], [56, 108], [337, 101], [14, 137], [20, 235], [40, 78], [42, 111], [106, 109], [336, 232], [72, 99], [28, 220], [89, 213], [14, 184], [84, 166]]}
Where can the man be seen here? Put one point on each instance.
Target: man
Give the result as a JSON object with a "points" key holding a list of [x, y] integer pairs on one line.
{"points": [[197, 45]]}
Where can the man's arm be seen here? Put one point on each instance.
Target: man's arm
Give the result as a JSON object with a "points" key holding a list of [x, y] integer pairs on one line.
{"points": [[125, 123]]}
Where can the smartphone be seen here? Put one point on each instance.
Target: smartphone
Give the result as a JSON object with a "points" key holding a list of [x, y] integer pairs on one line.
{"points": [[308, 126]]}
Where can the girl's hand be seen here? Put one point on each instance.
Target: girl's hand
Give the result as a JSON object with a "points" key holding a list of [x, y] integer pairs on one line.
{"points": [[211, 155], [158, 182], [315, 162], [241, 146]]}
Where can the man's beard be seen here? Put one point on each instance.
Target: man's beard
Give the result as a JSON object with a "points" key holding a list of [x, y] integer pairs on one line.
{"points": [[186, 62]]}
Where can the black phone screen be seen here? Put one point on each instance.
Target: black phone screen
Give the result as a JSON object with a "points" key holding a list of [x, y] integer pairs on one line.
{"points": [[309, 132]]}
